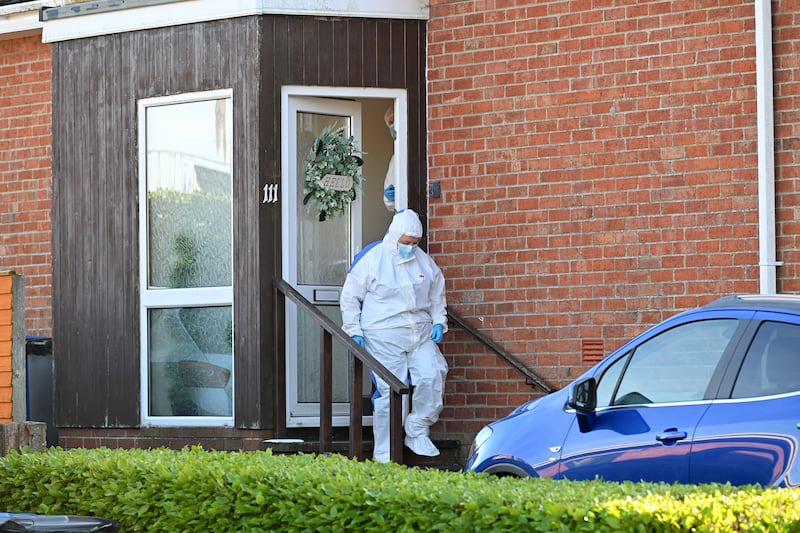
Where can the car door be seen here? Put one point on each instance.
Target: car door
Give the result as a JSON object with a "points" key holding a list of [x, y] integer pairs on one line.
{"points": [[751, 436], [650, 400]]}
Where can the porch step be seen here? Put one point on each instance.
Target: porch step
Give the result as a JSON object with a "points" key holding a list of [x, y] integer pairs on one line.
{"points": [[446, 460]]}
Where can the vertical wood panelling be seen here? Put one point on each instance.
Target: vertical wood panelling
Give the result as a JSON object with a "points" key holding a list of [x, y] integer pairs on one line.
{"points": [[94, 240], [397, 50], [96, 85], [326, 60], [370, 54], [293, 40], [310, 45], [414, 76], [383, 50], [249, 304], [339, 56], [269, 238], [355, 53]]}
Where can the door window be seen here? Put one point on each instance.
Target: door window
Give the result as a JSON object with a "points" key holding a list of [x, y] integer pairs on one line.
{"points": [[186, 259], [676, 365], [656, 386], [772, 363], [323, 246]]}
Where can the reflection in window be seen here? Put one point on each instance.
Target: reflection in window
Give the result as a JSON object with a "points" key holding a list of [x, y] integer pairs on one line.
{"points": [[772, 363], [322, 260], [189, 194], [608, 382], [191, 361], [676, 365], [186, 268]]}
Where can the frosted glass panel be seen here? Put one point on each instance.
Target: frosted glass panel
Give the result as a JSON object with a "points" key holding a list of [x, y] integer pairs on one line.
{"points": [[322, 247], [308, 343], [308, 349], [191, 361], [189, 198]]}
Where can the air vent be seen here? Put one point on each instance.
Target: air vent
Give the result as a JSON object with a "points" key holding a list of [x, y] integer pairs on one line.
{"points": [[591, 351]]}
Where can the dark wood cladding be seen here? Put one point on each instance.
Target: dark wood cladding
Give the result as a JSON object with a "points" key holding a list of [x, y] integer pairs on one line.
{"points": [[97, 83]]}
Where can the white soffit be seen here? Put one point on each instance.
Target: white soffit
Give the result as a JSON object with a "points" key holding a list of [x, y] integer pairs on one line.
{"points": [[19, 20], [94, 20]]}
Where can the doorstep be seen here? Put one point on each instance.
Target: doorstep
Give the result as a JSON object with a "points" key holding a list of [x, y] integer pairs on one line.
{"points": [[446, 460]]}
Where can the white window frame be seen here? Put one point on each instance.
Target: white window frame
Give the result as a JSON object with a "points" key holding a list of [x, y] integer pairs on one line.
{"points": [[168, 298]]}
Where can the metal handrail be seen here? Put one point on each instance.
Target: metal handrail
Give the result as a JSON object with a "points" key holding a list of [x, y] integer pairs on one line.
{"points": [[359, 357], [530, 377]]}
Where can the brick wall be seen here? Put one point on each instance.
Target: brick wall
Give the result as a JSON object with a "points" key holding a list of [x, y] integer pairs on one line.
{"points": [[598, 168], [25, 174], [786, 64], [597, 163]]}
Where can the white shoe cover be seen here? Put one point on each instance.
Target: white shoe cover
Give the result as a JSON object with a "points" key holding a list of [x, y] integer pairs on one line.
{"points": [[422, 446], [382, 457]]}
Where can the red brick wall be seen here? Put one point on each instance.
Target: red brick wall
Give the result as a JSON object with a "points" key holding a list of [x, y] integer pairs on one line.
{"points": [[598, 167], [786, 66], [25, 174]]}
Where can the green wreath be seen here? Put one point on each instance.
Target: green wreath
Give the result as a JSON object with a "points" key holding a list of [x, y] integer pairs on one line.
{"points": [[332, 176]]}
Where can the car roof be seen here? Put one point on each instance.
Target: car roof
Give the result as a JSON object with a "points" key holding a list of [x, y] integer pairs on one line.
{"points": [[768, 301]]}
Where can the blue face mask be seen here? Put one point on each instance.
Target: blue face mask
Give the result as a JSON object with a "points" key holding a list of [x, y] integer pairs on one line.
{"points": [[406, 251]]}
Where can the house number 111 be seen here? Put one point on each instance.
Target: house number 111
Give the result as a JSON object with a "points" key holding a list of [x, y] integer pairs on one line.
{"points": [[270, 193]]}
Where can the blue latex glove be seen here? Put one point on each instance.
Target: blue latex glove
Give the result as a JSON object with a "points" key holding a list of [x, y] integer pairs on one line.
{"points": [[438, 333], [388, 193], [359, 339]]}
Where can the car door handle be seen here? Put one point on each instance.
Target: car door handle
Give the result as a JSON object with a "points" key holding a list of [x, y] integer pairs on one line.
{"points": [[671, 435]]}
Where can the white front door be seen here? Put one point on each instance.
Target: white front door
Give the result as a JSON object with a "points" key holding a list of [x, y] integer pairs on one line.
{"points": [[316, 254], [316, 258]]}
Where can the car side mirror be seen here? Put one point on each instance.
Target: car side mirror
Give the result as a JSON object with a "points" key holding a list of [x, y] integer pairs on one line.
{"points": [[583, 399], [584, 395]]}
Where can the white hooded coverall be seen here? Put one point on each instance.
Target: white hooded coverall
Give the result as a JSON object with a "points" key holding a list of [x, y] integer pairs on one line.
{"points": [[393, 304]]}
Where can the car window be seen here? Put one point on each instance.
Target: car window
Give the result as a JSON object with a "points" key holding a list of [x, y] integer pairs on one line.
{"points": [[772, 362], [676, 365], [609, 380]]}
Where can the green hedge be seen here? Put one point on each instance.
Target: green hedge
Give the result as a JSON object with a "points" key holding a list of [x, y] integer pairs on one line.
{"points": [[197, 490]]}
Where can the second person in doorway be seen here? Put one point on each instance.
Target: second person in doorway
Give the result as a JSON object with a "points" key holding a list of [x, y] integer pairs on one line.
{"points": [[388, 182]]}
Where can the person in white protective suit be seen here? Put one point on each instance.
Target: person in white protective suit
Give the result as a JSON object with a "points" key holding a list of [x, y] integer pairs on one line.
{"points": [[388, 182], [393, 304]]}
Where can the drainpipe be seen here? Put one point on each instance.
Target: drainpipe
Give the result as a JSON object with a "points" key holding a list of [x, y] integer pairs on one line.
{"points": [[766, 155]]}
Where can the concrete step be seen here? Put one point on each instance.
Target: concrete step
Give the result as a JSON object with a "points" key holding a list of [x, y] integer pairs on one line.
{"points": [[446, 460]]}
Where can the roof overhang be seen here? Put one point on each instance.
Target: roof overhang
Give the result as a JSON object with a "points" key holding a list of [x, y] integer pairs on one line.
{"points": [[103, 17], [22, 19]]}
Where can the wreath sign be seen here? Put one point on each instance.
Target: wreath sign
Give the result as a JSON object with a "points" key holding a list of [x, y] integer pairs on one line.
{"points": [[332, 176]]}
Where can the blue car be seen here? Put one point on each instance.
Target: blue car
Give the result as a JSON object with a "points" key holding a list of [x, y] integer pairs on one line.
{"points": [[709, 395]]}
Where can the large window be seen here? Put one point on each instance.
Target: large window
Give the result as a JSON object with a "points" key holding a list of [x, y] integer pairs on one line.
{"points": [[186, 262]]}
